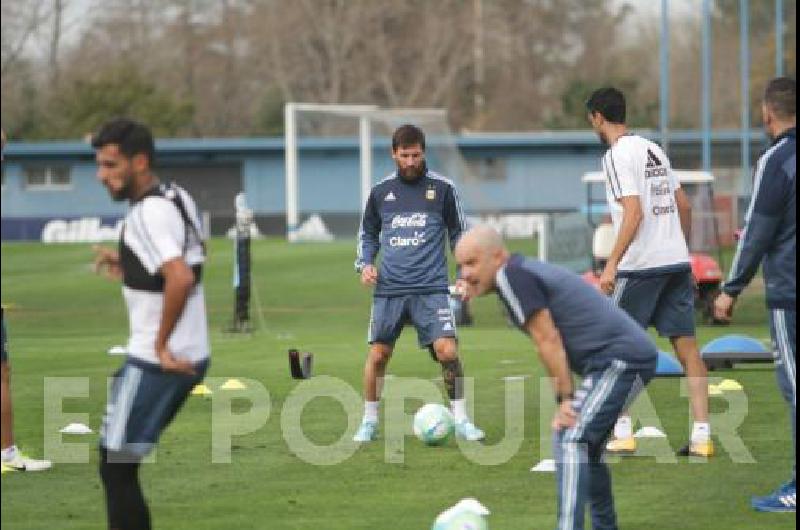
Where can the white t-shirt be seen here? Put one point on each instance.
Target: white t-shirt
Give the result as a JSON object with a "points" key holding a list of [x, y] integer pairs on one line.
{"points": [[155, 233], [635, 166]]}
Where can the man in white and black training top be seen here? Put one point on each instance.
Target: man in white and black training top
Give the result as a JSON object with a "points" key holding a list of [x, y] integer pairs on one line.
{"points": [[160, 263]]}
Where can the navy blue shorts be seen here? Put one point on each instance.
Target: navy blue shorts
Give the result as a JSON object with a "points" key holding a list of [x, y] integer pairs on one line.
{"points": [[665, 301], [142, 402], [430, 314]]}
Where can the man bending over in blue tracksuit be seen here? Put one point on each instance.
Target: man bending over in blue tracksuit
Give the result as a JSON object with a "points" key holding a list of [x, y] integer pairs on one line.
{"points": [[576, 329]]}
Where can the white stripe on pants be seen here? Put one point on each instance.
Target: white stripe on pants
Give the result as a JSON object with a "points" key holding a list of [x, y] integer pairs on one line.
{"points": [[121, 411], [574, 453]]}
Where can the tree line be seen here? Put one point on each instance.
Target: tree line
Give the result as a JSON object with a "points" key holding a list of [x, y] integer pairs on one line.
{"points": [[226, 67]]}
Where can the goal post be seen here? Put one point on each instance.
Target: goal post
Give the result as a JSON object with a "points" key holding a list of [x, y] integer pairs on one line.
{"points": [[366, 123], [291, 148]]}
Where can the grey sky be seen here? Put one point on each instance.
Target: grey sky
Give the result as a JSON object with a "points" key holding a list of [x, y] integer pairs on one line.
{"points": [[78, 15]]}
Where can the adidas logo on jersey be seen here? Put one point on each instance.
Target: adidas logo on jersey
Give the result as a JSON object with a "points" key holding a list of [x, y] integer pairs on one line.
{"points": [[654, 167], [652, 159], [390, 197]]}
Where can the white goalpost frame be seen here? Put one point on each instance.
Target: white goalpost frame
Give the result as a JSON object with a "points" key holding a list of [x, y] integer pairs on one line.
{"points": [[541, 226], [290, 151], [365, 114]]}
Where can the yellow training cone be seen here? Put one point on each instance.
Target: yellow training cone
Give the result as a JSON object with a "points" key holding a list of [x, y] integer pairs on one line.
{"points": [[201, 390], [233, 384], [729, 385]]}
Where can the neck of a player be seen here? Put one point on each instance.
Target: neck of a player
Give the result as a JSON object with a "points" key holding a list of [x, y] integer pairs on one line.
{"points": [[143, 183], [780, 127], [615, 131]]}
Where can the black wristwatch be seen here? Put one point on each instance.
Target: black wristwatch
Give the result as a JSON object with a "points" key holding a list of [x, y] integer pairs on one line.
{"points": [[562, 397]]}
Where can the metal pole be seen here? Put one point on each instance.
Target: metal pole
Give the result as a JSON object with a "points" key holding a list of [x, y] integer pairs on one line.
{"points": [[365, 134], [706, 87], [479, 66], [744, 25], [778, 38], [290, 153], [664, 77]]}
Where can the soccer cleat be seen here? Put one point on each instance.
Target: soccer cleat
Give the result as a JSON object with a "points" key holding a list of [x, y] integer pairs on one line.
{"points": [[784, 499], [5, 469], [20, 462], [622, 446], [704, 449], [367, 432], [466, 430]]}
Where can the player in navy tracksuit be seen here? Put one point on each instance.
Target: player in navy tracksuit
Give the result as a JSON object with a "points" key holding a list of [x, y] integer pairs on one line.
{"points": [[576, 329], [770, 235], [408, 217]]}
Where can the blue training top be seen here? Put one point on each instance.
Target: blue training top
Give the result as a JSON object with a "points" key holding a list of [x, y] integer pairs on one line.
{"points": [[593, 330], [407, 221], [770, 232]]}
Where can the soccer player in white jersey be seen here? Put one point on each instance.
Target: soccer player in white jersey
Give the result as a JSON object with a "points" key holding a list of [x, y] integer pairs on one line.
{"points": [[159, 262], [648, 273]]}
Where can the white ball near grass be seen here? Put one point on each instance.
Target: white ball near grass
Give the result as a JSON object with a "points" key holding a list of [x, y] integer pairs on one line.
{"points": [[433, 424]]}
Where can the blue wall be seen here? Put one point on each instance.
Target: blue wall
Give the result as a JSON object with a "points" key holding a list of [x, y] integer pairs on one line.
{"points": [[541, 172], [329, 180], [85, 196]]}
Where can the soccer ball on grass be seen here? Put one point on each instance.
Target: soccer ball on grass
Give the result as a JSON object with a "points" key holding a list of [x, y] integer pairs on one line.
{"points": [[433, 424]]}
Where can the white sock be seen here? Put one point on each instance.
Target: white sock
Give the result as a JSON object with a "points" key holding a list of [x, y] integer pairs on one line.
{"points": [[701, 432], [459, 408], [623, 428], [9, 453], [371, 411]]}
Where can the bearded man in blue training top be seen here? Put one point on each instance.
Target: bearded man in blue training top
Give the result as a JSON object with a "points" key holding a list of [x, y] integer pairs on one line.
{"points": [[406, 219]]}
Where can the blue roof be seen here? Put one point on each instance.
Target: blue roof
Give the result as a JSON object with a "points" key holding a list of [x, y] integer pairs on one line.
{"points": [[589, 138], [222, 146]]}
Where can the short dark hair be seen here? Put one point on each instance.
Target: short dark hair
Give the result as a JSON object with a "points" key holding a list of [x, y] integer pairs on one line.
{"points": [[408, 135], [781, 97], [132, 137], [609, 103]]}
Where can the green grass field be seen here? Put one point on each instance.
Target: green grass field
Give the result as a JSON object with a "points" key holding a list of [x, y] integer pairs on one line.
{"points": [[62, 319]]}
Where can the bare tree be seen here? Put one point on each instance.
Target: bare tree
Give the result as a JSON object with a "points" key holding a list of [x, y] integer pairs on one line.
{"points": [[21, 21], [55, 41], [234, 62]]}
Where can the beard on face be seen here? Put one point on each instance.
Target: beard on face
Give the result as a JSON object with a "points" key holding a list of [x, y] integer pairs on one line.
{"points": [[122, 194], [412, 173]]}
